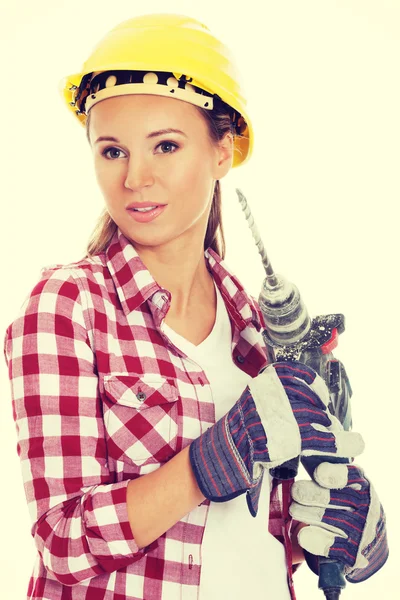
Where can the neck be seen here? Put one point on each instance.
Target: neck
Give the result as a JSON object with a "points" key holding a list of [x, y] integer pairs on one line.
{"points": [[184, 275]]}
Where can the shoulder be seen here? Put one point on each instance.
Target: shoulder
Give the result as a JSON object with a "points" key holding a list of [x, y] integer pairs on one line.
{"points": [[80, 271], [62, 281], [84, 276], [227, 278], [61, 290], [257, 308], [52, 330]]}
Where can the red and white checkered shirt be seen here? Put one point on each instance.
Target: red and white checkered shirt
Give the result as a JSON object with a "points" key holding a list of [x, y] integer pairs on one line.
{"points": [[101, 396]]}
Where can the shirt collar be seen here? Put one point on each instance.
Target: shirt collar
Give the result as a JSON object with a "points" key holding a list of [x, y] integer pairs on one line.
{"points": [[134, 283]]}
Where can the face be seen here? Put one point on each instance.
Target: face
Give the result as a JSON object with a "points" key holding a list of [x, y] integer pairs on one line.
{"points": [[178, 168]]}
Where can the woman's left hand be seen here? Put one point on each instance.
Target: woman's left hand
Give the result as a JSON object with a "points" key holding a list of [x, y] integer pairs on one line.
{"points": [[345, 517]]}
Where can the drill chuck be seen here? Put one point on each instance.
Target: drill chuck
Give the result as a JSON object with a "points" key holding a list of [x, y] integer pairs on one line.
{"points": [[285, 314]]}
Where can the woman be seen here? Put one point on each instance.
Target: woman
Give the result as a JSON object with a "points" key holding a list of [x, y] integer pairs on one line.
{"points": [[144, 405]]}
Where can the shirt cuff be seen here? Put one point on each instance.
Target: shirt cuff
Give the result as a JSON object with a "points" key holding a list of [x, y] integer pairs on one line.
{"points": [[108, 531]]}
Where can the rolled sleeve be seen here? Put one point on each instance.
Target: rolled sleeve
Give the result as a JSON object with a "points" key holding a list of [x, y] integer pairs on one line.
{"points": [[108, 531], [79, 514]]}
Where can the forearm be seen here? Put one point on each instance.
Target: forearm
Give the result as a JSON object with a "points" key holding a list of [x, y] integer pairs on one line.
{"points": [[155, 502]]}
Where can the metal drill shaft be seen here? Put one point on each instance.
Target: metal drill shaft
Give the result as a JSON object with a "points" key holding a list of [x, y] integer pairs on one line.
{"points": [[256, 235]]}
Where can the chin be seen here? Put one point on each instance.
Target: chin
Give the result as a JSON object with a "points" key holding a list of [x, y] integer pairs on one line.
{"points": [[140, 238]]}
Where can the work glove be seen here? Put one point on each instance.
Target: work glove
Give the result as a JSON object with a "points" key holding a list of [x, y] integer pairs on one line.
{"points": [[281, 414], [346, 520]]}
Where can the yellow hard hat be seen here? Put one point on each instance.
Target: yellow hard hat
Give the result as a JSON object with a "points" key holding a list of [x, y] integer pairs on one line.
{"points": [[198, 68]]}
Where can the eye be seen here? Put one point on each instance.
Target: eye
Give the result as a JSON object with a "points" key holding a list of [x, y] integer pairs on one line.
{"points": [[107, 150], [167, 144], [170, 148]]}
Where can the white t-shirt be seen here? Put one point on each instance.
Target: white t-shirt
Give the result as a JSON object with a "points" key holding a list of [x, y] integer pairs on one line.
{"points": [[240, 558]]}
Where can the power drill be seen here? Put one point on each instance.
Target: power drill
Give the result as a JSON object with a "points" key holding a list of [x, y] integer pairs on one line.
{"points": [[290, 334]]}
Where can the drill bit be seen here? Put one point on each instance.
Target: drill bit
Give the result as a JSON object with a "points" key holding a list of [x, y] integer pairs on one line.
{"points": [[285, 314], [256, 235]]}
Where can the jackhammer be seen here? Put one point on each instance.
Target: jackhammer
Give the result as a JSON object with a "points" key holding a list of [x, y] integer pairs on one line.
{"points": [[290, 334]]}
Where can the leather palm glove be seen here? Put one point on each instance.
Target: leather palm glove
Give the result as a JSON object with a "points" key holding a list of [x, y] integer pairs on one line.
{"points": [[280, 415], [346, 519]]}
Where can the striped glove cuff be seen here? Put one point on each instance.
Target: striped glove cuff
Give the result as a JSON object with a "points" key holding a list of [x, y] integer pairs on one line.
{"points": [[376, 553], [222, 458]]}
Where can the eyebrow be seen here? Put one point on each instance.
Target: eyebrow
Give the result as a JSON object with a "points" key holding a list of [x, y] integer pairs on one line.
{"points": [[153, 134]]}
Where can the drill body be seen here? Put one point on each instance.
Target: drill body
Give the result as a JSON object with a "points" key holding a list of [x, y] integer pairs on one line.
{"points": [[291, 335]]}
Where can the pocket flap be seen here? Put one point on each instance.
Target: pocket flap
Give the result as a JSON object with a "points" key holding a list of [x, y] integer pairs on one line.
{"points": [[139, 391]]}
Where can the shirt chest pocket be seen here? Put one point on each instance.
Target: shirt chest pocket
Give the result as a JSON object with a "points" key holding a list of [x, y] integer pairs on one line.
{"points": [[141, 418]]}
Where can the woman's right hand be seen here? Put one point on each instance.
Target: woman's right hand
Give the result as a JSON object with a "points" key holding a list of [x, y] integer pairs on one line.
{"points": [[283, 413]]}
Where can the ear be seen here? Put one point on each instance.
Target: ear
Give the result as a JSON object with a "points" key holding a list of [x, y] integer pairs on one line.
{"points": [[224, 156]]}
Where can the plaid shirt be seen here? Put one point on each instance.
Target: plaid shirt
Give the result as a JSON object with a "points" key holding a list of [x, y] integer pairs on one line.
{"points": [[101, 396]]}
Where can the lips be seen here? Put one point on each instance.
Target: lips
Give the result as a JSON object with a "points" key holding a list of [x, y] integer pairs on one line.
{"points": [[154, 206], [146, 216], [142, 205]]}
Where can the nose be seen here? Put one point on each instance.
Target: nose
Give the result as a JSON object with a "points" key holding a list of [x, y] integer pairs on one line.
{"points": [[139, 174]]}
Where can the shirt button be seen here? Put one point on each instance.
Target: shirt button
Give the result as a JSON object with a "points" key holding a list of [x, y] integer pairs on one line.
{"points": [[141, 396], [240, 358]]}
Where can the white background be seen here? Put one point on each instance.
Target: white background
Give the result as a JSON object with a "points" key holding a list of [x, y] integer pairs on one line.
{"points": [[322, 79]]}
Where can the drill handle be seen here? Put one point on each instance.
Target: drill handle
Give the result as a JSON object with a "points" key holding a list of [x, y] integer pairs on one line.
{"points": [[330, 572], [319, 357], [334, 374]]}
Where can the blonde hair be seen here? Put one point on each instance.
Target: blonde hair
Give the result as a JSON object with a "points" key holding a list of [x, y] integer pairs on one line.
{"points": [[219, 123]]}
